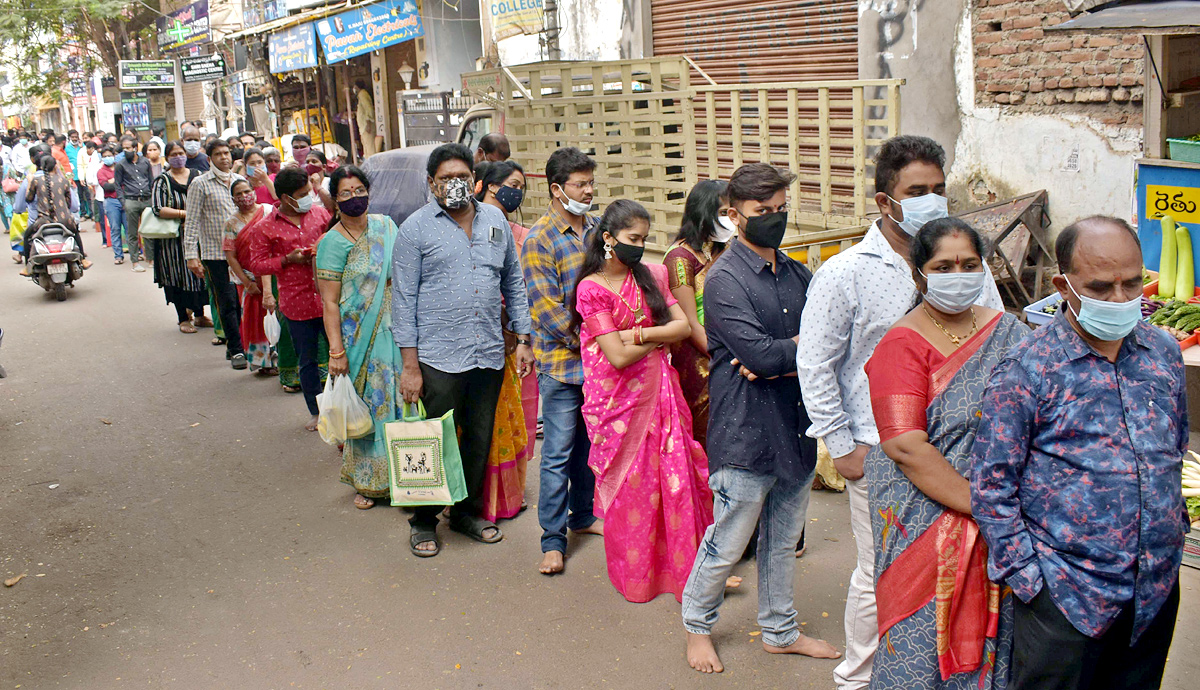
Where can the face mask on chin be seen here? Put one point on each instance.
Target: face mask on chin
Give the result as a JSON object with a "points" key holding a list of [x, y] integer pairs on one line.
{"points": [[575, 208]]}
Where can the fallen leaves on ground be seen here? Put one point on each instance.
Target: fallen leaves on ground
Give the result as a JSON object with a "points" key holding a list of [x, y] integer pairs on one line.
{"points": [[14, 580]]}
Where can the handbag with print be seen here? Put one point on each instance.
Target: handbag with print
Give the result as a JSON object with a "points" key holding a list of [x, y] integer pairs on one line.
{"points": [[424, 465]]}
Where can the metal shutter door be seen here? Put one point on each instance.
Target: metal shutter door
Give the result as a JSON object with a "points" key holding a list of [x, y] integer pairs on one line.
{"points": [[758, 41], [193, 101]]}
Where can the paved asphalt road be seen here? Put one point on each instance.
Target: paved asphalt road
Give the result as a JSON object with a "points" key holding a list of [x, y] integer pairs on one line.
{"points": [[196, 537]]}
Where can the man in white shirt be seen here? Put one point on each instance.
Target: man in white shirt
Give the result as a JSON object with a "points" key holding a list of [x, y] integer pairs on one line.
{"points": [[853, 300], [83, 163]]}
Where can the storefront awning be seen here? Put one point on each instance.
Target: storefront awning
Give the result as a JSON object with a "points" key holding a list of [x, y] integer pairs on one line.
{"points": [[292, 20], [1170, 17]]}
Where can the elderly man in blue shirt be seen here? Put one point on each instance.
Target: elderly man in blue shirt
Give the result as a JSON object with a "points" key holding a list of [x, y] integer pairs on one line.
{"points": [[453, 260], [1076, 470]]}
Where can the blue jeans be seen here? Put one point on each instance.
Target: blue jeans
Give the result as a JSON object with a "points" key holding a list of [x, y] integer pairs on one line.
{"points": [[566, 479], [306, 337], [115, 210], [740, 497]]}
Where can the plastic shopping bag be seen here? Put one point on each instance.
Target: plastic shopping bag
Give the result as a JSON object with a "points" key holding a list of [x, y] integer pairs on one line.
{"points": [[343, 415], [424, 465], [271, 328]]}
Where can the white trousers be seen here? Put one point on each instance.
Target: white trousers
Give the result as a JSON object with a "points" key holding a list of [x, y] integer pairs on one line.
{"points": [[862, 628]]}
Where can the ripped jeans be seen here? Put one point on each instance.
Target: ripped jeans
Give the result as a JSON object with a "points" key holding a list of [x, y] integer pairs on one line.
{"points": [[739, 498]]}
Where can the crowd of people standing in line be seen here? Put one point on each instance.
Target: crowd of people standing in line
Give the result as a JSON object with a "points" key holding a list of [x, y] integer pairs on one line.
{"points": [[1014, 496]]}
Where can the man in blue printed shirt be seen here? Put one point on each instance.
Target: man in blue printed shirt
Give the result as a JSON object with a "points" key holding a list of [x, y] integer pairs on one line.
{"points": [[453, 259], [1075, 481]]}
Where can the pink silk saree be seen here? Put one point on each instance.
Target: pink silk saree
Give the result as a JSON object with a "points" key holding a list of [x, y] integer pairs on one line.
{"points": [[651, 474]]}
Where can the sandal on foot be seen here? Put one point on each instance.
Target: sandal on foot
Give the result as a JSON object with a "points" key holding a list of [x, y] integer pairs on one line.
{"points": [[186, 327], [474, 527], [363, 503], [118, 262], [203, 322], [424, 535], [217, 342], [292, 389]]}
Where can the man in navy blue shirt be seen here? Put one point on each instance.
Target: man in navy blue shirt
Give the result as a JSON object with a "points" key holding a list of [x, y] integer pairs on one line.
{"points": [[760, 466]]}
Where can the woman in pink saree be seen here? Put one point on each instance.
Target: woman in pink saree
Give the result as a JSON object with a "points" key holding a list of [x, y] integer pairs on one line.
{"points": [[651, 474]]}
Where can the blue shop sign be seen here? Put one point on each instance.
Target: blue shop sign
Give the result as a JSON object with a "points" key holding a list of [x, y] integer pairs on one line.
{"points": [[369, 28], [292, 49]]}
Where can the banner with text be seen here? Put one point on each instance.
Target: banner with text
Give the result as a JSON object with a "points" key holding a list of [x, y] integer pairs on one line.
{"points": [[294, 48], [364, 29], [202, 68], [184, 27], [515, 17], [147, 74]]}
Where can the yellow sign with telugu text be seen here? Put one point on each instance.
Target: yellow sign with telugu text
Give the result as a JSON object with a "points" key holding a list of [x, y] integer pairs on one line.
{"points": [[1181, 203]]}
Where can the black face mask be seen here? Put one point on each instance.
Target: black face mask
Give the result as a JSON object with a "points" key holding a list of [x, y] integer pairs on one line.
{"points": [[130, 155], [628, 254], [766, 230]]}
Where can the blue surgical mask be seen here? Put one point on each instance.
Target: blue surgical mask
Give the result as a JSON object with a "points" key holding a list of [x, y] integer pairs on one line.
{"points": [[251, 171], [1106, 321], [919, 210], [954, 293], [304, 204], [107, 160]]}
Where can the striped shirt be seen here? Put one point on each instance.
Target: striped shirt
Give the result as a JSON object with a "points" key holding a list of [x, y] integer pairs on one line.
{"points": [[446, 288], [209, 205], [552, 256]]}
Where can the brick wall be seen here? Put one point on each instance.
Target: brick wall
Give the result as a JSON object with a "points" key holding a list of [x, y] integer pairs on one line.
{"points": [[1020, 65]]}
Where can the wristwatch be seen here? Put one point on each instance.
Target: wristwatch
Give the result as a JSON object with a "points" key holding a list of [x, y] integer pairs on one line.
{"points": [[524, 341]]}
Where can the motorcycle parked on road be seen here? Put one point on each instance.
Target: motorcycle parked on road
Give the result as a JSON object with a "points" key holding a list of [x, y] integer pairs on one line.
{"points": [[55, 261]]}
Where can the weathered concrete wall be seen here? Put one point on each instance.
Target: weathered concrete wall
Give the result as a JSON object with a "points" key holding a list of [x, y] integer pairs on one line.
{"points": [[909, 39], [1086, 166], [455, 38]]}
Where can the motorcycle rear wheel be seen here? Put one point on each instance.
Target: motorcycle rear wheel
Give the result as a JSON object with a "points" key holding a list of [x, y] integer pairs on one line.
{"points": [[60, 292]]}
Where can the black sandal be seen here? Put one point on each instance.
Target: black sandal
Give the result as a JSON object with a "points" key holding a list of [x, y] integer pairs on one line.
{"points": [[217, 342], [423, 535], [474, 527]]}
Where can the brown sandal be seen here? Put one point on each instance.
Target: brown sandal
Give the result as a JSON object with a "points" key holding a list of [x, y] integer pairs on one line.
{"points": [[186, 327], [203, 322], [363, 503]]}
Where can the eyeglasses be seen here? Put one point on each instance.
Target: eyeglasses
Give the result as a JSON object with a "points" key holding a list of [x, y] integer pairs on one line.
{"points": [[350, 193], [590, 184]]}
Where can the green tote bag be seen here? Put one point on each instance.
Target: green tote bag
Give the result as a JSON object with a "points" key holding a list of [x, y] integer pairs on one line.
{"points": [[424, 465]]}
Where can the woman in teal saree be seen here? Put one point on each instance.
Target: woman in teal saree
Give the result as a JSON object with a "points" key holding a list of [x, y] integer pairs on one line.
{"points": [[353, 271]]}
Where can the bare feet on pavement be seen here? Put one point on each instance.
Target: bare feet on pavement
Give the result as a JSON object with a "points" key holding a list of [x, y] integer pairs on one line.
{"points": [[808, 646], [552, 563], [733, 582], [596, 528], [702, 655]]}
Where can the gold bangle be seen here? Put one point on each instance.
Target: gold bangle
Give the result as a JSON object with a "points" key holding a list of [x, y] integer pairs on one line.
{"points": [[337, 355]]}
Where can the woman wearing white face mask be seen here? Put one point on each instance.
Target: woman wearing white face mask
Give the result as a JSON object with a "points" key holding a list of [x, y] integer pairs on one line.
{"points": [[927, 380], [703, 236]]}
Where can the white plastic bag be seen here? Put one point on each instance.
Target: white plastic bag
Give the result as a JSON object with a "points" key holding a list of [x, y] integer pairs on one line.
{"points": [[343, 415], [271, 327]]}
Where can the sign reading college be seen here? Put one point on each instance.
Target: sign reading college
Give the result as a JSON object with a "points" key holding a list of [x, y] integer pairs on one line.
{"points": [[202, 68], [364, 29], [146, 74], [294, 48], [184, 27], [515, 17]]}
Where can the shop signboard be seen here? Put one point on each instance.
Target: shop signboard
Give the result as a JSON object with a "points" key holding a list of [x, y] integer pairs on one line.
{"points": [[292, 49], [79, 93], [147, 74], [135, 109], [202, 68], [371, 27], [184, 27], [1166, 188], [255, 12], [515, 17]]}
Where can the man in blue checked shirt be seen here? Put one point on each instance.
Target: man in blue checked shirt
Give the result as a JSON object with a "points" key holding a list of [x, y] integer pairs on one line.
{"points": [[453, 260], [1076, 472]]}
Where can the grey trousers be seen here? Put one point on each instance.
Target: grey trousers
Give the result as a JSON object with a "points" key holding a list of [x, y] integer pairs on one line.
{"points": [[133, 223]]}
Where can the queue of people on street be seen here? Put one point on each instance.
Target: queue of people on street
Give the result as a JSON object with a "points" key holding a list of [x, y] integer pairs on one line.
{"points": [[1014, 496]]}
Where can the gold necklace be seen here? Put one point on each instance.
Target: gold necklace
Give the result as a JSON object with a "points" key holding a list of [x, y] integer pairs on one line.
{"points": [[638, 314], [955, 339]]}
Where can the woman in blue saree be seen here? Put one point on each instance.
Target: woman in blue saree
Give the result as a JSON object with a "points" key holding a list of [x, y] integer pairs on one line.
{"points": [[353, 271], [942, 623]]}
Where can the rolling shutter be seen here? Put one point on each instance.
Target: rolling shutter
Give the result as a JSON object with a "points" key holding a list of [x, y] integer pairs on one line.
{"points": [[193, 101], [757, 41]]}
